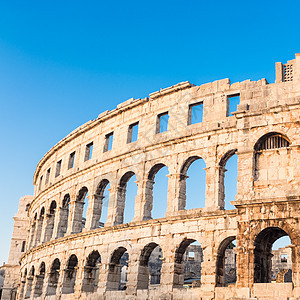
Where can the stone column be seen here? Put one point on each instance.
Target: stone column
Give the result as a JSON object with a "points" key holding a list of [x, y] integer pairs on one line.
{"points": [[212, 186], [132, 275], [143, 200], [176, 188], [76, 208], [116, 206], [38, 231], [61, 228], [103, 275], [94, 212], [245, 266]]}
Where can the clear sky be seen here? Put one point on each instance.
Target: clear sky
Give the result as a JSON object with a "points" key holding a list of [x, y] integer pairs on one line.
{"points": [[64, 62]]}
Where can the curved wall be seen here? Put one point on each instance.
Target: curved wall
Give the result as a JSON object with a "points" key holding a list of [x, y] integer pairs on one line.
{"points": [[56, 223]]}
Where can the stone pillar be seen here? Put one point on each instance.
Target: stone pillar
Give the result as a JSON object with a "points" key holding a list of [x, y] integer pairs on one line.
{"points": [[44, 228], [176, 193], [212, 186], [38, 231], [245, 266], [103, 275], [76, 208], [132, 275], [50, 219], [168, 278], [57, 223], [94, 212], [208, 269], [116, 206], [31, 235], [61, 226], [143, 200]]}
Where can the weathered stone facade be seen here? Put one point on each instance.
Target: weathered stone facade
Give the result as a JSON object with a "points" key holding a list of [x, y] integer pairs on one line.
{"points": [[66, 258]]}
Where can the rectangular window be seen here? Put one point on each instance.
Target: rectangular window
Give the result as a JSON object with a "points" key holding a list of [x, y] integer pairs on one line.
{"points": [[58, 168], [162, 122], [232, 103], [108, 142], [41, 181], [283, 258], [71, 160], [23, 246], [47, 176], [133, 132], [191, 255], [88, 151], [195, 113]]}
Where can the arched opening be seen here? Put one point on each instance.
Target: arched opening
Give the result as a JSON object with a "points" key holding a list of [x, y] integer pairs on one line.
{"points": [[50, 222], [91, 272], [29, 283], [269, 154], [192, 183], [269, 265], [157, 191], [64, 215], [23, 282], [228, 179], [102, 200], [53, 277], [70, 275], [80, 207], [117, 274], [188, 260], [127, 191], [32, 231], [40, 281], [226, 262], [39, 227], [150, 266]]}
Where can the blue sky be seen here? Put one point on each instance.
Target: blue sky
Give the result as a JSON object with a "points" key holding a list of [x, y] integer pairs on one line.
{"points": [[64, 62]]}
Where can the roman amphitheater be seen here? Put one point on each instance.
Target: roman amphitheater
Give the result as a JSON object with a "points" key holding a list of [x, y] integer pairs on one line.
{"points": [[57, 254]]}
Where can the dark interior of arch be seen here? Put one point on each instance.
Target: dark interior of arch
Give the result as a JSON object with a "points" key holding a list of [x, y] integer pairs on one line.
{"points": [[220, 265], [93, 259], [82, 193], [42, 268], [154, 170], [101, 187], [263, 253], [181, 250], [115, 259], [55, 265], [272, 140], [66, 201], [146, 252], [52, 207], [73, 261], [187, 164], [42, 212], [125, 178]]}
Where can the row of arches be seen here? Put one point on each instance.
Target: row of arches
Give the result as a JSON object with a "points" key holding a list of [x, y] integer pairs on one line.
{"points": [[117, 204], [149, 267]]}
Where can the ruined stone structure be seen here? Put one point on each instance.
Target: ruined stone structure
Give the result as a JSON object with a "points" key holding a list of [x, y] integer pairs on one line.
{"points": [[66, 258]]}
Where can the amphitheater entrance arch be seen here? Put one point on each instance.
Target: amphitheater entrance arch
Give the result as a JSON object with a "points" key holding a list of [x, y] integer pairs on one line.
{"points": [[156, 191], [102, 202], [127, 191], [50, 221], [228, 179], [188, 260], [226, 262], [53, 277], [192, 183], [150, 266], [91, 272], [117, 273], [70, 275], [40, 281], [263, 253], [29, 282]]}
